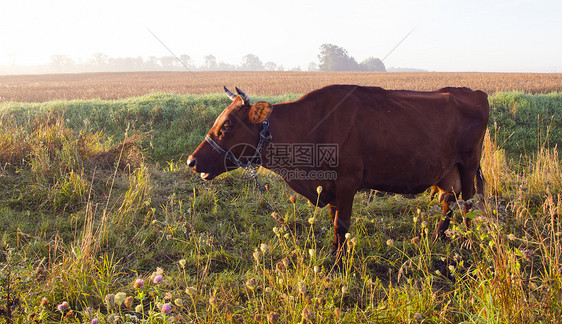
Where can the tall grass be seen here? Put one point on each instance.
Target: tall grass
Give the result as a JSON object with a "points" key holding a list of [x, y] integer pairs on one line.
{"points": [[87, 211]]}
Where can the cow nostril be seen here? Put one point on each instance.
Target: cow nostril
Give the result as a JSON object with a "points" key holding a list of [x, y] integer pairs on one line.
{"points": [[191, 162]]}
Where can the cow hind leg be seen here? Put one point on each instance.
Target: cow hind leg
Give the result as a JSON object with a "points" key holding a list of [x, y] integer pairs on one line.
{"points": [[449, 188]]}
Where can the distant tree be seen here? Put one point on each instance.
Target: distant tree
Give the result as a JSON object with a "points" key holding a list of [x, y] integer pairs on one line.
{"points": [[61, 63], [270, 66], [99, 59], [210, 63], [185, 60], [312, 66], [226, 67], [372, 64], [168, 62], [335, 58], [251, 62], [152, 63]]}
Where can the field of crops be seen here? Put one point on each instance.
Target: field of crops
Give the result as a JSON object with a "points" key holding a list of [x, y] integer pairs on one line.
{"points": [[101, 221], [39, 88]]}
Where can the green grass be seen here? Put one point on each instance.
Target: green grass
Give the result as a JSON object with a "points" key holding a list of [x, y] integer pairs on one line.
{"points": [[96, 194]]}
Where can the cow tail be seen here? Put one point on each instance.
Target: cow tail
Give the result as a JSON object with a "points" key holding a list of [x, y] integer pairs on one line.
{"points": [[480, 182]]}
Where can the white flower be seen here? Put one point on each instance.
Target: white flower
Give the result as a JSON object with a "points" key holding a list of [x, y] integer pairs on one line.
{"points": [[319, 190]]}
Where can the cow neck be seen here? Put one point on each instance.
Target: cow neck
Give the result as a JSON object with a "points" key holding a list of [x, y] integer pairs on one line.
{"points": [[281, 120]]}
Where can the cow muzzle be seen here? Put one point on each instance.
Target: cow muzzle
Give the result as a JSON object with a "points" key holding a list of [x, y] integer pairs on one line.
{"points": [[192, 164]]}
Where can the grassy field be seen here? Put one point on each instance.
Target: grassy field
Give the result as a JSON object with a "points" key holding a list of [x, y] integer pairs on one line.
{"points": [[102, 222], [40, 88]]}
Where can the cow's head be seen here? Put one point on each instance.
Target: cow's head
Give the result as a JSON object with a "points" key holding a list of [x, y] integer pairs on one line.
{"points": [[234, 139]]}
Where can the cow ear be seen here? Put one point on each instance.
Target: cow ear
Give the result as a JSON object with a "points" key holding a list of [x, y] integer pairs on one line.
{"points": [[259, 112]]}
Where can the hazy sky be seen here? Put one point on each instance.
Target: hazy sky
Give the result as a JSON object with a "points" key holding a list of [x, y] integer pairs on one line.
{"points": [[477, 35]]}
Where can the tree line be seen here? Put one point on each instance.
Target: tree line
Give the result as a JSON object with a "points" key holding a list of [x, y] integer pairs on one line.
{"points": [[330, 58]]}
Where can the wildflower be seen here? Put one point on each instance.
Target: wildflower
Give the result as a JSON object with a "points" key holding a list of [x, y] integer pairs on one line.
{"points": [[128, 302], [307, 313], [251, 283], [287, 236], [301, 287], [110, 301], [511, 237], [390, 242], [311, 220], [166, 309], [319, 190], [264, 247], [352, 242], [120, 298], [452, 268], [293, 199], [273, 318], [138, 309], [347, 236], [191, 291], [316, 269], [418, 317], [527, 254], [213, 301], [94, 321], [418, 211], [437, 272], [168, 296], [415, 219], [344, 290], [268, 290], [337, 312], [312, 252], [139, 283], [256, 255], [63, 306], [280, 266], [424, 224], [276, 230], [182, 263], [44, 301], [157, 279]]}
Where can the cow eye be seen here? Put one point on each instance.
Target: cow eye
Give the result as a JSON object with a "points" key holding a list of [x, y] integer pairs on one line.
{"points": [[225, 128]]}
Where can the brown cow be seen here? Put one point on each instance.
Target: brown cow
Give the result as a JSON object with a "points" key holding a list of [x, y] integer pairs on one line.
{"points": [[345, 138]]}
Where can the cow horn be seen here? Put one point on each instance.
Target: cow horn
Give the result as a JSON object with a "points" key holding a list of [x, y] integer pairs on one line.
{"points": [[231, 95], [245, 97]]}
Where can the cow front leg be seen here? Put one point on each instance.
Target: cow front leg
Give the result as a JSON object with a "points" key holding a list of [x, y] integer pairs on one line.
{"points": [[447, 213], [341, 218]]}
